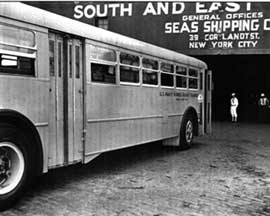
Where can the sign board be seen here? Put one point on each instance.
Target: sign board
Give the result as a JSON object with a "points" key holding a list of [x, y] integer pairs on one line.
{"points": [[195, 28]]}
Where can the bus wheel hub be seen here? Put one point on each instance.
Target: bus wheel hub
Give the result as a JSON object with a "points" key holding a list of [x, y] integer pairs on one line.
{"points": [[189, 132], [5, 165], [12, 167]]}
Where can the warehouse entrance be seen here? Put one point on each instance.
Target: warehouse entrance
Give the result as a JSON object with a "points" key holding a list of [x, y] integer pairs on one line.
{"points": [[246, 75]]}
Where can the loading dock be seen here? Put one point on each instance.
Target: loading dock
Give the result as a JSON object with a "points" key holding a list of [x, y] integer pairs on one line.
{"points": [[246, 75]]}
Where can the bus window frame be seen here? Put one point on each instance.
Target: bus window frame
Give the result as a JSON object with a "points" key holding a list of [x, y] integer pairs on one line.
{"points": [[19, 54], [102, 46], [11, 74], [193, 77], [78, 60], [139, 67], [163, 72], [32, 55], [23, 28], [201, 73], [52, 73], [103, 62], [117, 65], [153, 70], [179, 75]]}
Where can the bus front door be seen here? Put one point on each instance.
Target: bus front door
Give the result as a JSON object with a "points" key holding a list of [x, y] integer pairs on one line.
{"points": [[74, 101], [66, 106], [56, 112]]}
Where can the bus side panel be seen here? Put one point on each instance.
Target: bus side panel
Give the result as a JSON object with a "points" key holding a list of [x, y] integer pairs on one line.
{"points": [[27, 96], [120, 116]]}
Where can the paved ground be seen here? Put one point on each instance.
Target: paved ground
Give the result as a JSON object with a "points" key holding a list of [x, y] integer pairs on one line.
{"points": [[227, 173]]}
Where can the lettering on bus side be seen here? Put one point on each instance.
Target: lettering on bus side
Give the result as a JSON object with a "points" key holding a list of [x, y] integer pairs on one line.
{"points": [[177, 94], [173, 94]]}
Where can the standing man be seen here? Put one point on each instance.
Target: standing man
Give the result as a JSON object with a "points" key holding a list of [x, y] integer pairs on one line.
{"points": [[263, 108], [234, 105]]}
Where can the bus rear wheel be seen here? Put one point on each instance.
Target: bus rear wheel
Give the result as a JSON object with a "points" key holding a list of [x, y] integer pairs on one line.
{"points": [[186, 131], [14, 165]]}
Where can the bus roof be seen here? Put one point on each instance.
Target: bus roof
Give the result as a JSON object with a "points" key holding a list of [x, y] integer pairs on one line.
{"points": [[39, 17]]}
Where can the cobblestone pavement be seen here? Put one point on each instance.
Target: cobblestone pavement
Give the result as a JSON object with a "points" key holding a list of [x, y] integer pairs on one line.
{"points": [[225, 174]]}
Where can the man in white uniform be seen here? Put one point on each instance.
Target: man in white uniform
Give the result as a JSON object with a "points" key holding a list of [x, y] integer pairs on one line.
{"points": [[234, 105]]}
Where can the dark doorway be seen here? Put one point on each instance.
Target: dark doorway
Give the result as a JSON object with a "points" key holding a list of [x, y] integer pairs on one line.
{"points": [[246, 75]]}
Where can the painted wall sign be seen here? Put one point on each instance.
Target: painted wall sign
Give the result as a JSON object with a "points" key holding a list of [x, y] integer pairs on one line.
{"points": [[195, 28], [217, 27]]}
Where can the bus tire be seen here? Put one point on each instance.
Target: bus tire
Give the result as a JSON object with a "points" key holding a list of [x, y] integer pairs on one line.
{"points": [[186, 131], [15, 164]]}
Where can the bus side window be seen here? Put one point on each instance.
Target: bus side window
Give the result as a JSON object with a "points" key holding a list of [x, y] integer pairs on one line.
{"points": [[150, 71], [60, 58], [129, 68], [167, 74], [103, 73], [18, 50], [70, 57], [193, 79], [208, 82], [52, 56], [181, 77], [17, 65], [103, 65], [201, 81], [77, 62]]}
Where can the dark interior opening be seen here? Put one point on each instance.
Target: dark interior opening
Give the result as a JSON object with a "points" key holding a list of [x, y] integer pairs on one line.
{"points": [[246, 75]]}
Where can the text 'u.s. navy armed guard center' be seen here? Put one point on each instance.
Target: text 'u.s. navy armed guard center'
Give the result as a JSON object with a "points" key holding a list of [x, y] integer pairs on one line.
{"points": [[232, 38]]}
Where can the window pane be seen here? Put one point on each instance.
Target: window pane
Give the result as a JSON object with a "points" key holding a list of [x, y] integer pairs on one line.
{"points": [[51, 49], [25, 64], [17, 65], [193, 83], [9, 63], [181, 70], [166, 80], [181, 82], [150, 64], [150, 77], [129, 74], [16, 36], [201, 81], [60, 59], [165, 67], [102, 23], [129, 59], [193, 72], [77, 61], [103, 73], [70, 60], [100, 53], [16, 49]]}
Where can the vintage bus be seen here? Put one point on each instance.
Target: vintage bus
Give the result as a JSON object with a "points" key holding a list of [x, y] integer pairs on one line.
{"points": [[70, 91]]}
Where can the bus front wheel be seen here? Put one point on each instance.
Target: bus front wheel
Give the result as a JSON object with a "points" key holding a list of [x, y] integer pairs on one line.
{"points": [[14, 165], [186, 131]]}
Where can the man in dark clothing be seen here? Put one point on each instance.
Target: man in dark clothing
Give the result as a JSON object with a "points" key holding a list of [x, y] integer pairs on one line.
{"points": [[263, 104]]}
